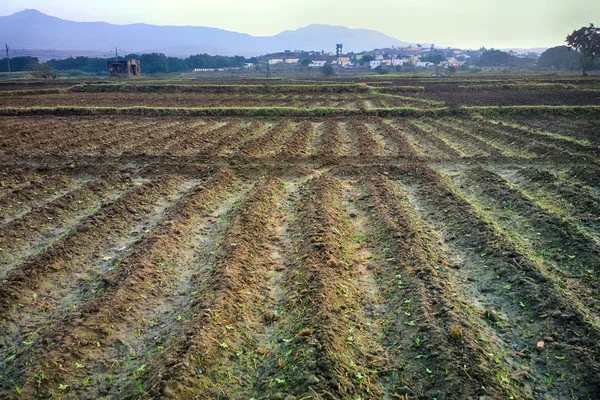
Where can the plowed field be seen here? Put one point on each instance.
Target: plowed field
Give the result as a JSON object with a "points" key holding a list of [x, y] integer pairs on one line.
{"points": [[447, 257]]}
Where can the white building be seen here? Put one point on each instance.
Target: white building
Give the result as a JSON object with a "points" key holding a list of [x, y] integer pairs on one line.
{"points": [[274, 61], [318, 63], [396, 61], [423, 64], [374, 64]]}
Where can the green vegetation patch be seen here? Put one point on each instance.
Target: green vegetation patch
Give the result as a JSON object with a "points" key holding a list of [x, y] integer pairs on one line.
{"points": [[224, 111], [128, 87]]}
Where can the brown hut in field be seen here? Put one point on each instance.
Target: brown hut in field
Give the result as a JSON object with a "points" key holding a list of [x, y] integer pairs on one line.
{"points": [[125, 69]]}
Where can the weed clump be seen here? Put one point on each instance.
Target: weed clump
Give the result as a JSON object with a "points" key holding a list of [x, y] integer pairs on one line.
{"points": [[456, 332]]}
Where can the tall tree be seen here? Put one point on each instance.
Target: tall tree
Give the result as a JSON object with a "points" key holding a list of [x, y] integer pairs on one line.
{"points": [[495, 58], [559, 57], [586, 40], [367, 58], [20, 64], [434, 58]]}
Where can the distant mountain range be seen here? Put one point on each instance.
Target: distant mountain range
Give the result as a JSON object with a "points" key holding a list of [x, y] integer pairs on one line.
{"points": [[31, 29]]}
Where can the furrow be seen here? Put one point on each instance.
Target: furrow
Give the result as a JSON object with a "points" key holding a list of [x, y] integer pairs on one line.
{"points": [[191, 144], [404, 148], [22, 200], [157, 132], [367, 145], [473, 144], [44, 225], [331, 140], [504, 287], [349, 148], [114, 135], [426, 142], [228, 309], [511, 146], [298, 142], [223, 136], [161, 145], [231, 146], [325, 349], [434, 345], [39, 133], [581, 129], [513, 137], [85, 136], [268, 144], [566, 198], [450, 141], [59, 289], [16, 180], [552, 242], [69, 259], [550, 138], [549, 236]]}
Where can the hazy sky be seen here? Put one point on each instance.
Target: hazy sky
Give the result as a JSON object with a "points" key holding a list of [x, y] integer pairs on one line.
{"points": [[462, 23]]}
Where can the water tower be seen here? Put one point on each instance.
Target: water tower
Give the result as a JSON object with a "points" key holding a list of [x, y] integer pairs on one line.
{"points": [[338, 52]]}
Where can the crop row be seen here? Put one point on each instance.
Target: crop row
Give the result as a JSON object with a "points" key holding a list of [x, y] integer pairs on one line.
{"points": [[221, 139], [411, 281], [361, 101]]}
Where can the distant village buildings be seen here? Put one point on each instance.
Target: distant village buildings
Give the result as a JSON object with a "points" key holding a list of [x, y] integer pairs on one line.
{"points": [[391, 59]]}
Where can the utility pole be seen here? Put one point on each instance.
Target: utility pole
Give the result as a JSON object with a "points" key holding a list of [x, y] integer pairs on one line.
{"points": [[7, 57], [116, 54]]}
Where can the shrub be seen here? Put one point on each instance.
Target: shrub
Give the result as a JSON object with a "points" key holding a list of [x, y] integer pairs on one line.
{"points": [[327, 70]]}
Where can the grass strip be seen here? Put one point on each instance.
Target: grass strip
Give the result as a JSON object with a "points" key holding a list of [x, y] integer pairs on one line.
{"points": [[302, 112]]}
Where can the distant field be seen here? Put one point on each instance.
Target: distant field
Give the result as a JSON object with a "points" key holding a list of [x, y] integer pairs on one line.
{"points": [[359, 239]]}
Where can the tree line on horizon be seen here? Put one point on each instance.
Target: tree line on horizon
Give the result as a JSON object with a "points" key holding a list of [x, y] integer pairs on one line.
{"points": [[152, 63], [558, 58]]}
